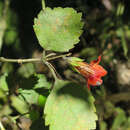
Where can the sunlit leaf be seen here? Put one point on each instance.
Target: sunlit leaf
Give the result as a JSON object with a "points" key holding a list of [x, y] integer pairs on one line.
{"points": [[3, 82], [42, 82], [34, 89], [58, 29], [20, 105], [68, 107], [30, 96]]}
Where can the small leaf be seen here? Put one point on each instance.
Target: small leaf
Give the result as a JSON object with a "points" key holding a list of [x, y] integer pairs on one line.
{"points": [[58, 29], [41, 100], [3, 82], [69, 107], [29, 96], [121, 34], [34, 89], [19, 104], [42, 82]]}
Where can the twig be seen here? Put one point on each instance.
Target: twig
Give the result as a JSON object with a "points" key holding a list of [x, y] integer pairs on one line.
{"points": [[52, 69], [2, 59], [56, 57]]}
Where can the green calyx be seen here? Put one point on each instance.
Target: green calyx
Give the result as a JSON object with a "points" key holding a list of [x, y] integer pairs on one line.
{"points": [[74, 61]]}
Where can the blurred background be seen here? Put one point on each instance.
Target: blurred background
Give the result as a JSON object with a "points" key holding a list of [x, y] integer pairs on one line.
{"points": [[106, 32]]}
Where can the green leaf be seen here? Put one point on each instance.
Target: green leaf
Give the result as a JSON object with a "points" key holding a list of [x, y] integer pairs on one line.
{"points": [[41, 100], [42, 82], [30, 96], [34, 115], [119, 120], [26, 70], [19, 105], [58, 29], [3, 82], [33, 90], [121, 34], [69, 106]]}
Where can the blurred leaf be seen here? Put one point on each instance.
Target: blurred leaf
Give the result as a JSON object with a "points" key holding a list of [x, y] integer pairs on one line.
{"points": [[41, 100], [2, 94], [38, 125], [12, 19], [3, 82], [20, 105], [89, 51], [58, 29], [120, 33], [26, 70], [124, 45], [30, 96], [10, 37], [42, 82], [68, 107], [127, 31], [34, 115], [1, 9], [103, 125], [5, 111], [7, 68], [119, 119], [120, 9]]}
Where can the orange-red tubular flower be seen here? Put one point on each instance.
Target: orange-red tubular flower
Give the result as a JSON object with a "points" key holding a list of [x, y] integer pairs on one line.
{"points": [[92, 72]]}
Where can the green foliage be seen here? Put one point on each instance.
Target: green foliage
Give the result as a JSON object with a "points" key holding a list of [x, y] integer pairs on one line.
{"points": [[3, 83], [33, 89], [69, 107], [119, 119], [121, 34], [26, 70], [73, 61], [25, 88], [34, 115], [58, 29], [42, 82], [19, 105]]}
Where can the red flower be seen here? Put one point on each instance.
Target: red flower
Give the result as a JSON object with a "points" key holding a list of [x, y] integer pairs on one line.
{"points": [[92, 72]]}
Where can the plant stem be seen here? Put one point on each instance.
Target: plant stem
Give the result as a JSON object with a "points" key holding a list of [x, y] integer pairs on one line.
{"points": [[2, 59], [56, 57], [43, 4]]}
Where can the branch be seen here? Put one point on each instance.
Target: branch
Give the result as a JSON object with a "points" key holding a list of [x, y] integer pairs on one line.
{"points": [[2, 59]]}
